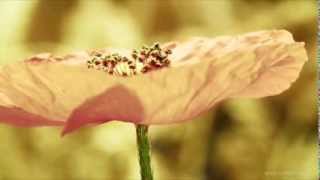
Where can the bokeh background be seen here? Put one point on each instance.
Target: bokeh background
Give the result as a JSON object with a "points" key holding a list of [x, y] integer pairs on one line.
{"points": [[273, 138]]}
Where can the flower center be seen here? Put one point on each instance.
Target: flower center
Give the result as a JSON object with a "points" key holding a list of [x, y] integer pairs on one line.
{"points": [[143, 60]]}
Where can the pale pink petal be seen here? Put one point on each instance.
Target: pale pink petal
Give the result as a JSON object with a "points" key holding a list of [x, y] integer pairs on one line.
{"points": [[19, 117], [204, 71]]}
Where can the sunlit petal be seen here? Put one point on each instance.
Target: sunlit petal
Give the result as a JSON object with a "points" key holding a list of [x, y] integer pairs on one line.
{"points": [[203, 72]]}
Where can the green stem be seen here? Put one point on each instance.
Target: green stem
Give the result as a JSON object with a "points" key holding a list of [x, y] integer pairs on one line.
{"points": [[144, 152]]}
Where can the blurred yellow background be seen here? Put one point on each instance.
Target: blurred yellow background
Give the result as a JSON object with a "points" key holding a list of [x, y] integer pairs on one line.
{"points": [[274, 138]]}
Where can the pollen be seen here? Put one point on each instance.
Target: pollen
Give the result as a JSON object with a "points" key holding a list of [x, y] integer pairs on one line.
{"points": [[143, 60]]}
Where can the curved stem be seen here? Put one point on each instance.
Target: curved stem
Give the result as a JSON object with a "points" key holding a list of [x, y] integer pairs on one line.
{"points": [[144, 152]]}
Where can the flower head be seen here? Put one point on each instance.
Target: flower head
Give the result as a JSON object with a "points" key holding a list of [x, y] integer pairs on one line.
{"points": [[164, 84]]}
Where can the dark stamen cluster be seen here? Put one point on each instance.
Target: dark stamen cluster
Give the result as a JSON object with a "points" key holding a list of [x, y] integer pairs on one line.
{"points": [[143, 60], [106, 63], [152, 57]]}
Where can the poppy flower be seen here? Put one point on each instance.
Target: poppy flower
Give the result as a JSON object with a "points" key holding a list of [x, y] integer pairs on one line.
{"points": [[154, 85]]}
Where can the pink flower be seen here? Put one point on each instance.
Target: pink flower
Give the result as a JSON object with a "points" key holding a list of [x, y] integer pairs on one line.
{"points": [[49, 90]]}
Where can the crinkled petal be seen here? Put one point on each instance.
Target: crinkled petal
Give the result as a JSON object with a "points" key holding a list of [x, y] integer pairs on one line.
{"points": [[284, 64], [204, 71]]}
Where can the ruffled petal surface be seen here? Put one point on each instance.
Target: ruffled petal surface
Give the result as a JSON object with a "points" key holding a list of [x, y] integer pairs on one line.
{"points": [[47, 90]]}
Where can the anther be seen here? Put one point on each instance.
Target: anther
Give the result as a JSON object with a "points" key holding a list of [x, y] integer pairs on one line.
{"points": [[132, 67], [156, 46], [168, 51], [134, 56], [125, 59]]}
